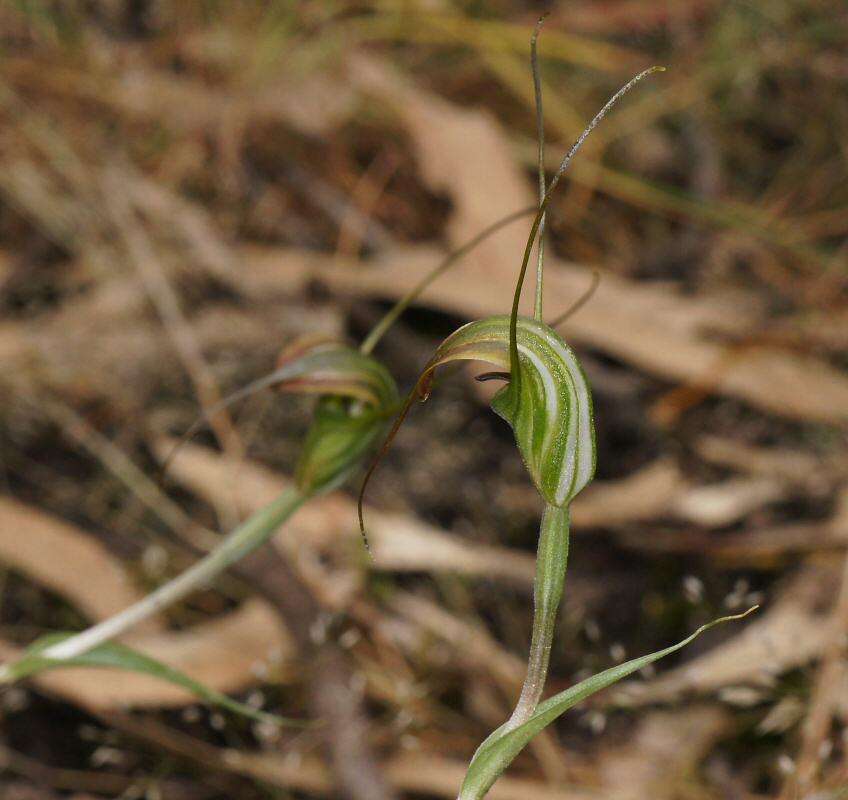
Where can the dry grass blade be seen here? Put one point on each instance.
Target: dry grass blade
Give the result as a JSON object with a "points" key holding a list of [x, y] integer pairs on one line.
{"points": [[142, 255], [187, 221], [126, 471]]}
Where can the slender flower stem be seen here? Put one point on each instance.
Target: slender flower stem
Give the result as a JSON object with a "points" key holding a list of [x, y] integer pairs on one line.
{"points": [[534, 228], [551, 562], [394, 313], [243, 540]]}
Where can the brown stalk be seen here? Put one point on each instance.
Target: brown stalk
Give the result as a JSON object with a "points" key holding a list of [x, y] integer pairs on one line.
{"points": [[825, 697]]}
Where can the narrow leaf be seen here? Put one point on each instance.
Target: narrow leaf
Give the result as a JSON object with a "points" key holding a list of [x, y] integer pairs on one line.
{"points": [[118, 656], [503, 745]]}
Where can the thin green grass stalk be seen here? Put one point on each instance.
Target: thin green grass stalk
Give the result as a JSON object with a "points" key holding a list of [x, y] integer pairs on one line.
{"points": [[540, 137]]}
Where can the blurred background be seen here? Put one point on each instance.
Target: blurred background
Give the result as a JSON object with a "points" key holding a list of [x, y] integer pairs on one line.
{"points": [[186, 186]]}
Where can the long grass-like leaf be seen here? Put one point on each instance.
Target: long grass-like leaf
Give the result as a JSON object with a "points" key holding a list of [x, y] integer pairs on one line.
{"points": [[501, 747], [117, 656]]}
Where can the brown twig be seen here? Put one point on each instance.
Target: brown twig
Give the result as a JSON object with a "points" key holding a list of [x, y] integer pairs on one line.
{"points": [[826, 692], [77, 780], [330, 677], [141, 254], [364, 198]]}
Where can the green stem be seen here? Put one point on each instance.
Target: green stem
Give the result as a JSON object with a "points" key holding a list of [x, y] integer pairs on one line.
{"points": [[551, 562], [540, 136], [243, 540]]}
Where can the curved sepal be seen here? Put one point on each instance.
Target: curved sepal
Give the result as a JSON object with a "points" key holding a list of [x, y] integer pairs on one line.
{"points": [[323, 366]]}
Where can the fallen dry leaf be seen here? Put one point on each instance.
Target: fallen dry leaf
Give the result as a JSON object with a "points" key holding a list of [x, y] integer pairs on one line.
{"points": [[763, 547], [645, 494], [661, 753], [425, 774], [659, 490], [788, 633], [66, 560], [796, 466], [719, 504], [466, 154], [398, 542]]}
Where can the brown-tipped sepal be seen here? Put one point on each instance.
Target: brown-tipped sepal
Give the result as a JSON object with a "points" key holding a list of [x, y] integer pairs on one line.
{"points": [[357, 398], [327, 367]]}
